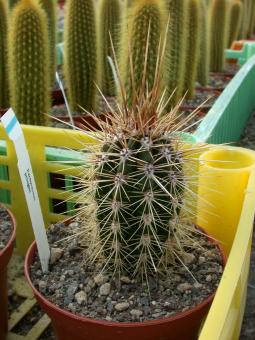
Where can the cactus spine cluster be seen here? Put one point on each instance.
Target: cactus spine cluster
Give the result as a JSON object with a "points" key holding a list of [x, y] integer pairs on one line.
{"points": [[145, 17], [177, 40], [204, 58], [193, 46], [28, 59], [235, 20], [80, 55], [50, 8], [109, 21], [4, 93], [219, 33]]}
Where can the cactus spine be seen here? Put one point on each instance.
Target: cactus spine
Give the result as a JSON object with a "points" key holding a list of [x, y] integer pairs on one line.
{"points": [[50, 8], [219, 34], [109, 19], [142, 15], [235, 20], [177, 39], [204, 58], [4, 93], [80, 62], [28, 59], [193, 46]]}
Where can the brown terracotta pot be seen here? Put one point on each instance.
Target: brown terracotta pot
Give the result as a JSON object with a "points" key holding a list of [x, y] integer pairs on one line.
{"points": [[5, 255]]}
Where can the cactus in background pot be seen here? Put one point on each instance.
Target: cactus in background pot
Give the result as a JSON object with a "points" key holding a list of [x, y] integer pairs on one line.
{"points": [[177, 40], [235, 20], [50, 8], [193, 46], [147, 22], [80, 55], [109, 22], [204, 58], [4, 92], [28, 62], [218, 14]]}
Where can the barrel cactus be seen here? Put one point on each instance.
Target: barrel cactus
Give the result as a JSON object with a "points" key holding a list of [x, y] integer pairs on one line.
{"points": [[80, 54], [193, 46], [177, 40], [28, 62], [109, 27], [146, 17], [4, 93]]}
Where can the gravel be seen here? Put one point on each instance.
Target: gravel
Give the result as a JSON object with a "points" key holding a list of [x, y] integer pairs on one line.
{"points": [[5, 227]]}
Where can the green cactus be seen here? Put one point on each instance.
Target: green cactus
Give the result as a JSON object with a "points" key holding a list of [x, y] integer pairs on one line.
{"points": [[13, 3], [142, 14], [28, 62], [4, 93], [204, 58], [219, 34], [252, 19], [109, 19], [50, 8], [235, 20], [193, 47], [80, 55], [177, 39]]}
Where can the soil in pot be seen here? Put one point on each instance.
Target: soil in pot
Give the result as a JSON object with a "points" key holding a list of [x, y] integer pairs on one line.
{"points": [[6, 227], [81, 289]]}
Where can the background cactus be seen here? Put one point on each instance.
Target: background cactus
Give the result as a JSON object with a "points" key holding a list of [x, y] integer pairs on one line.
{"points": [[80, 55], [50, 8], [141, 15], [204, 58], [177, 40], [12, 3], [109, 24], [28, 62], [193, 46], [236, 8], [219, 33], [4, 93]]}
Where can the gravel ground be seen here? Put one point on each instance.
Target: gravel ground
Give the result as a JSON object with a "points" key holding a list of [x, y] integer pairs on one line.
{"points": [[5, 227]]}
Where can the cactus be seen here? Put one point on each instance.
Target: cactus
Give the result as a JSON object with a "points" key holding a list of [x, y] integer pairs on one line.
{"points": [[235, 21], [50, 8], [177, 39], [142, 15], [28, 62], [136, 189], [80, 55], [4, 93], [193, 46], [219, 33], [252, 19], [13, 3], [204, 58], [109, 19]]}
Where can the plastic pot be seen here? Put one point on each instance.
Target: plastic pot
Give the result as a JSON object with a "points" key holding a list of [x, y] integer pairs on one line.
{"points": [[5, 255], [66, 325]]}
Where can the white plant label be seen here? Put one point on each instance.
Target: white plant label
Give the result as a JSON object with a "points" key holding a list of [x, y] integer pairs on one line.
{"points": [[14, 131]]}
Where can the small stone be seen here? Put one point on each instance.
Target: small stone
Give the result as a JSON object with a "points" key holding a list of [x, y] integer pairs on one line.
{"points": [[42, 285], [183, 287], [120, 307], [100, 279], [73, 225], [188, 258], [208, 278], [125, 279], [201, 260], [72, 290], [136, 313], [197, 285], [105, 289], [81, 297], [153, 303], [55, 254], [108, 318]]}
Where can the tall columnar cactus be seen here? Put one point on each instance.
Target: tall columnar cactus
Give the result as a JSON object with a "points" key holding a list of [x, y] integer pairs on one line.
{"points": [[177, 40], [109, 21], [147, 17], [80, 55], [204, 58], [235, 20], [219, 33], [4, 93], [50, 8], [28, 62], [252, 19], [193, 46]]}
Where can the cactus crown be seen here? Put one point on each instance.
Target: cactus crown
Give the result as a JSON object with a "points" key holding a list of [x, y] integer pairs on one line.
{"points": [[137, 185]]}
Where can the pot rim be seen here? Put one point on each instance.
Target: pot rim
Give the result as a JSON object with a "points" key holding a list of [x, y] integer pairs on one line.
{"points": [[9, 244], [179, 315]]}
